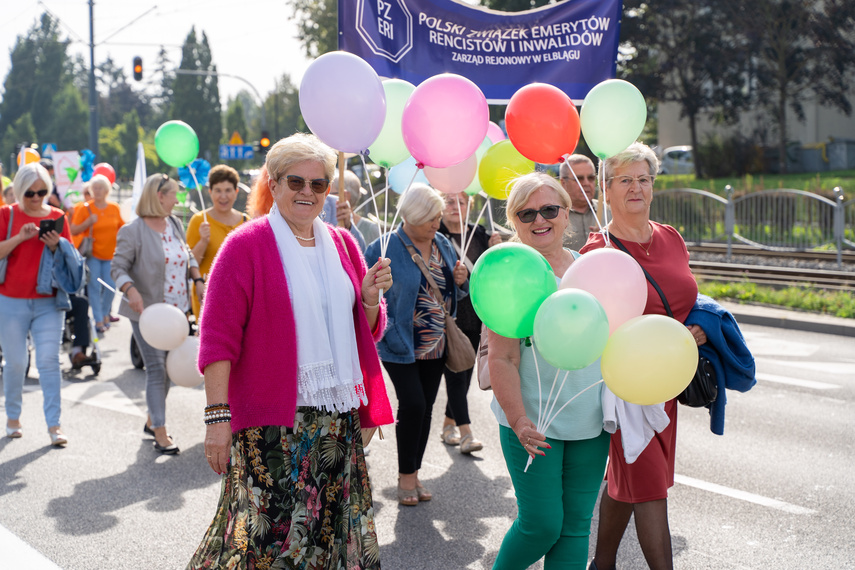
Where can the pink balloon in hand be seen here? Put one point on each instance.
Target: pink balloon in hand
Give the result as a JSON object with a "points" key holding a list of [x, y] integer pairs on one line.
{"points": [[444, 120], [453, 179], [615, 279]]}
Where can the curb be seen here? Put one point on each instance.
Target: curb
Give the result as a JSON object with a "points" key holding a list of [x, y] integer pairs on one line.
{"points": [[791, 320]]}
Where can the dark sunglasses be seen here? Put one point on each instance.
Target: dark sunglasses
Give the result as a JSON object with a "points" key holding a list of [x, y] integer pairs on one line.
{"points": [[529, 215], [297, 183], [41, 193]]}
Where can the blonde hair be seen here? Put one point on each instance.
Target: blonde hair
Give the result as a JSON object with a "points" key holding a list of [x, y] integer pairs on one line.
{"points": [[100, 179], [298, 148], [526, 185], [26, 177], [149, 205], [420, 204]]}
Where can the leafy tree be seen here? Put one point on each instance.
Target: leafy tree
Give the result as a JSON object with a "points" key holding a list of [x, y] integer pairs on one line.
{"points": [[117, 97], [235, 120], [799, 50], [317, 25], [129, 137], [69, 120], [196, 98], [21, 131], [688, 53], [110, 145], [161, 100]]}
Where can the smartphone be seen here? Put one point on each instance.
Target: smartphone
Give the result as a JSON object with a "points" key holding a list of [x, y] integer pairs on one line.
{"points": [[46, 225]]}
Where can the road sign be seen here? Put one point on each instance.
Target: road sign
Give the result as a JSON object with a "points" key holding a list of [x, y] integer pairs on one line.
{"points": [[48, 149], [236, 152], [236, 138]]}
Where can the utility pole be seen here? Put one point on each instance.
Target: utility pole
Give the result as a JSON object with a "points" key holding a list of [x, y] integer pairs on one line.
{"points": [[93, 96]]}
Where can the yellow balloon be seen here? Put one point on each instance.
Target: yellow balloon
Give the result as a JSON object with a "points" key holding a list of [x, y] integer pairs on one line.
{"points": [[649, 359], [501, 164], [27, 156]]}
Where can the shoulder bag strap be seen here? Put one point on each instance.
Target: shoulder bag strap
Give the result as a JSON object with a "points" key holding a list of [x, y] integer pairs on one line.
{"points": [[89, 234], [622, 247], [420, 263], [11, 217]]}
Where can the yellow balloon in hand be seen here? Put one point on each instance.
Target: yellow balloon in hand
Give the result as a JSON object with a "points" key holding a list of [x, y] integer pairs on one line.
{"points": [[649, 359]]}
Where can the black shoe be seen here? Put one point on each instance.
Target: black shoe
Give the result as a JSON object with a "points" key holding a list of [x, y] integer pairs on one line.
{"points": [[168, 450], [148, 430]]}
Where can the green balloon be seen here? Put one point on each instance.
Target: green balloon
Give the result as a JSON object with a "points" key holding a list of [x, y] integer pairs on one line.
{"points": [[474, 187], [389, 148], [176, 143], [507, 286], [613, 115], [571, 329]]}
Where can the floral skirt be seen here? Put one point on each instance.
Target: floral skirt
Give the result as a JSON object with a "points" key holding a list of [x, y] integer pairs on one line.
{"points": [[295, 498]]}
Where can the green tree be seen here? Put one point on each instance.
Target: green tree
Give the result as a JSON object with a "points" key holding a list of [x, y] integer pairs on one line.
{"points": [[129, 137], [21, 131], [163, 80], [799, 50], [317, 25], [235, 120], [117, 97], [110, 145], [196, 98], [69, 120]]}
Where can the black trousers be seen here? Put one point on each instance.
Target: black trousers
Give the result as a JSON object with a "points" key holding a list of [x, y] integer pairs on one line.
{"points": [[80, 312], [416, 386], [457, 386]]}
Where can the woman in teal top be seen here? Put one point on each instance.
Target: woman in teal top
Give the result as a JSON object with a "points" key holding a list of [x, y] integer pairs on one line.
{"points": [[556, 495]]}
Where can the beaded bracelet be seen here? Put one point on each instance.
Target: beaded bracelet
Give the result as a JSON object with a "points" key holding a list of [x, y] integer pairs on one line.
{"points": [[367, 306], [217, 407], [220, 421]]}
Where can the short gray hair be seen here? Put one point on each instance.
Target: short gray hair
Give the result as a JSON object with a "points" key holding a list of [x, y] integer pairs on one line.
{"points": [[298, 148], [420, 204], [27, 176], [564, 168], [100, 179], [636, 152], [351, 184]]}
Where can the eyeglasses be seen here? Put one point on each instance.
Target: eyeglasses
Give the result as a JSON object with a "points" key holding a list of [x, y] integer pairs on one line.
{"points": [[297, 183], [529, 215], [588, 177], [625, 182], [40, 193]]}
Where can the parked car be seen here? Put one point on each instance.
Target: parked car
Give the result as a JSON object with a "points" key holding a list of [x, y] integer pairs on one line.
{"points": [[677, 160]]}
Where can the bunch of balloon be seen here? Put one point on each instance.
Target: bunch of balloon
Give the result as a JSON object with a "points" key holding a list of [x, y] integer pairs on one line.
{"points": [[500, 166], [389, 149], [508, 284], [542, 123]]}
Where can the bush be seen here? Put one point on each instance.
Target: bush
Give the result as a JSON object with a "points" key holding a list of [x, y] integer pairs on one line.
{"points": [[733, 155], [805, 298]]}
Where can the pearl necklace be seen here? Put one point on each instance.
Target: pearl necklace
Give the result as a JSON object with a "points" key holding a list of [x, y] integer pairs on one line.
{"points": [[304, 239]]}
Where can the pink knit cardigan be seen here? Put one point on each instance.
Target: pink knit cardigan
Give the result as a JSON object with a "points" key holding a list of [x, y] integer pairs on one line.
{"points": [[248, 320]]}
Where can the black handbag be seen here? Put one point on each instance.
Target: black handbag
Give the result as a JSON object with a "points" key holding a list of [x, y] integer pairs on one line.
{"points": [[703, 389]]}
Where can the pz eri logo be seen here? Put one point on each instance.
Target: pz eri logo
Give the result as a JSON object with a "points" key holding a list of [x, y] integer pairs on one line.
{"points": [[386, 27]]}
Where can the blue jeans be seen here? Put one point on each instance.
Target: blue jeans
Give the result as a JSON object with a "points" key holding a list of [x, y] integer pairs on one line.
{"points": [[100, 298], [39, 318], [156, 380]]}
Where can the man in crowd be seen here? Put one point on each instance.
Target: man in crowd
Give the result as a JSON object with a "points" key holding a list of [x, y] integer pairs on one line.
{"points": [[582, 218]]}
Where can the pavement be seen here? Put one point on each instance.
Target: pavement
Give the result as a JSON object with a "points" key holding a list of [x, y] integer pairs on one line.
{"points": [[766, 316]]}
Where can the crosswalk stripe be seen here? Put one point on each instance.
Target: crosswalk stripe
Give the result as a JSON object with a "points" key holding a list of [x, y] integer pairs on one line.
{"points": [[19, 554], [742, 495], [106, 395], [795, 381]]}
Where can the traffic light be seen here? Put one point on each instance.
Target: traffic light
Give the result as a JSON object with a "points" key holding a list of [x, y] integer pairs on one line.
{"points": [[264, 142], [138, 68]]}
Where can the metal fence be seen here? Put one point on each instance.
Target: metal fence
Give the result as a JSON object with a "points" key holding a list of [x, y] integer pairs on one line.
{"points": [[784, 220]]}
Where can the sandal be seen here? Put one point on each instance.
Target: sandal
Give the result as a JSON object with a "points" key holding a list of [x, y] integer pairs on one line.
{"points": [[408, 497], [449, 435], [469, 444], [424, 494]]}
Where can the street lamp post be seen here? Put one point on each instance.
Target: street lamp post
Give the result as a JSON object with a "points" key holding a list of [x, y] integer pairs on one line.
{"points": [[218, 74]]}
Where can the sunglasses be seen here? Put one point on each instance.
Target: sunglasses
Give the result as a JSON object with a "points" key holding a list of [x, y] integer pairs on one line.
{"points": [[529, 215], [297, 183], [40, 193], [163, 181]]}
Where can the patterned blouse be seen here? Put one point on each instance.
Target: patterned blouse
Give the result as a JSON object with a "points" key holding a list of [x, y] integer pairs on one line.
{"points": [[175, 284], [429, 318]]}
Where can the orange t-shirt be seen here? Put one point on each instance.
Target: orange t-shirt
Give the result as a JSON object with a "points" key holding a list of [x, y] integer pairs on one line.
{"points": [[22, 271], [72, 215], [104, 231]]}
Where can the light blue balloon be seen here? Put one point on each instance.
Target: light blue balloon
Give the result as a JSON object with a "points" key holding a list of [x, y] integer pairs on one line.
{"points": [[401, 174]]}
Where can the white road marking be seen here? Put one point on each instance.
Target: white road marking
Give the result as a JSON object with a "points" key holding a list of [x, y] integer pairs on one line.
{"points": [[840, 368], [795, 381], [106, 395], [19, 554], [742, 495]]}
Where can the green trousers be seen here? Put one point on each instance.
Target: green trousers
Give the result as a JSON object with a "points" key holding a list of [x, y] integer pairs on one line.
{"points": [[555, 502]]}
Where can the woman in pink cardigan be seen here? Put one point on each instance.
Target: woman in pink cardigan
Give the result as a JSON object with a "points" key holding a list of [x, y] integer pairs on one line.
{"points": [[291, 375]]}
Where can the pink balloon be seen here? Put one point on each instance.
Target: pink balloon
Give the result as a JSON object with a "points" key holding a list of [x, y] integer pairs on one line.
{"points": [[106, 170], [444, 120], [615, 279], [453, 179], [495, 133]]}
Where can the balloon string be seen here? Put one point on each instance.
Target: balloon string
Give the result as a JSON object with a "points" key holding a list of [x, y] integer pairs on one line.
{"points": [[370, 185], [199, 190], [541, 420], [602, 173], [539, 398], [385, 208], [549, 423], [113, 289], [554, 400], [585, 194], [472, 235], [395, 217], [463, 225]]}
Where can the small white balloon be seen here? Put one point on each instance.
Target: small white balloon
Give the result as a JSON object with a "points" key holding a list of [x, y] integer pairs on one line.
{"points": [[181, 364], [163, 326]]}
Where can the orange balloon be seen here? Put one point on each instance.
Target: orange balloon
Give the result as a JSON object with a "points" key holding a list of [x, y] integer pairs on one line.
{"points": [[27, 156], [542, 123]]}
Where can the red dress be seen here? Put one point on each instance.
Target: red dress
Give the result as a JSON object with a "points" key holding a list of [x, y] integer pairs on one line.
{"points": [[652, 474]]}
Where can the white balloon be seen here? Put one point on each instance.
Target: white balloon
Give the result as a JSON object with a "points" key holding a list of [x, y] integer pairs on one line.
{"points": [[181, 364], [163, 326]]}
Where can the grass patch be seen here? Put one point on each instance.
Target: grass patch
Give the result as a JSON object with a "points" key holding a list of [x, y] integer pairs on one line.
{"points": [[818, 182], [835, 303]]}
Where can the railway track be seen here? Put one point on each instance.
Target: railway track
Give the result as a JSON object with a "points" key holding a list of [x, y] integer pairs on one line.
{"points": [[848, 256], [776, 276]]}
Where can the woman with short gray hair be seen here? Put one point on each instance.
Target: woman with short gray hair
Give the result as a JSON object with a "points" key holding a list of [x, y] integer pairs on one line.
{"points": [[413, 348]]}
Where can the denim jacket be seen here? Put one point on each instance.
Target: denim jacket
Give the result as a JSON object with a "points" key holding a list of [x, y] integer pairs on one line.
{"points": [[397, 343], [61, 270]]}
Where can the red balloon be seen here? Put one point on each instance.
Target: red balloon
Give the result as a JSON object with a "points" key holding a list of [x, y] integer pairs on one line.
{"points": [[106, 170], [542, 123]]}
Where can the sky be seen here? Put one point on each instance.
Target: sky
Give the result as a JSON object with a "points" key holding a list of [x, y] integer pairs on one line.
{"points": [[253, 39]]}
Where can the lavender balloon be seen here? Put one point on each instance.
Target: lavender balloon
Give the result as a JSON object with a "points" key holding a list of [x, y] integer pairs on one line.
{"points": [[343, 102]]}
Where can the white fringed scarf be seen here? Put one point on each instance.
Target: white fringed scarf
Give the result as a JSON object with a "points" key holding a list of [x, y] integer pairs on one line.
{"points": [[328, 376]]}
